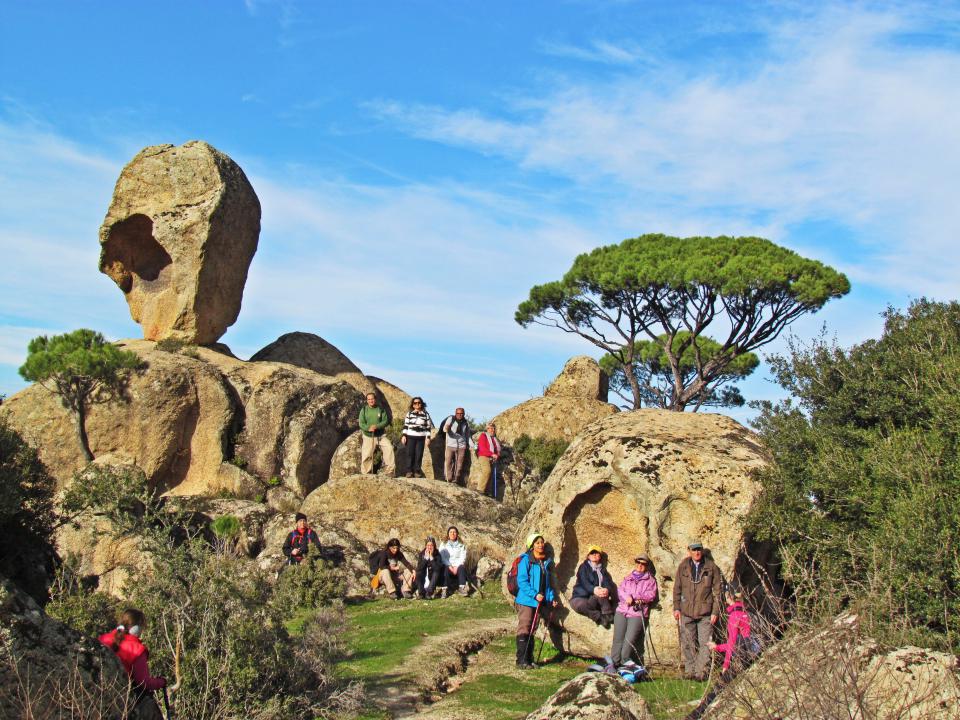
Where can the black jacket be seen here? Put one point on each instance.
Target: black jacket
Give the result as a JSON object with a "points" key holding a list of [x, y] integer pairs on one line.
{"points": [[382, 555], [434, 565], [587, 581], [300, 541]]}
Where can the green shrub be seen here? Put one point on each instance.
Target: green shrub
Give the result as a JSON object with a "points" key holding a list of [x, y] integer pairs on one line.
{"points": [[226, 527], [72, 602], [312, 583], [539, 453], [274, 482]]}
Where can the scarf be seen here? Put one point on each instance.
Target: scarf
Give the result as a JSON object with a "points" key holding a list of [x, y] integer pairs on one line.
{"points": [[598, 569]]}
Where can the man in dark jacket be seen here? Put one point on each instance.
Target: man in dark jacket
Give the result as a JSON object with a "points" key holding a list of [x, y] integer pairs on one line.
{"points": [[696, 607], [297, 544], [593, 595]]}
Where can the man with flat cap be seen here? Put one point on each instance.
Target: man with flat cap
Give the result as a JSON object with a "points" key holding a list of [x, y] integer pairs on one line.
{"points": [[696, 607]]}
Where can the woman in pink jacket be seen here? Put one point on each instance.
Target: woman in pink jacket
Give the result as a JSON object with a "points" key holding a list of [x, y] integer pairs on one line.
{"points": [[738, 645], [636, 593]]}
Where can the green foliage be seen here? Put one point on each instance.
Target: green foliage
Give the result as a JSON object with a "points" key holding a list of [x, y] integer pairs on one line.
{"points": [[274, 482], [27, 515], [654, 375], [862, 498], [656, 285], [395, 430], [540, 453], [226, 527], [72, 602], [239, 462], [119, 494], [311, 584], [83, 369]]}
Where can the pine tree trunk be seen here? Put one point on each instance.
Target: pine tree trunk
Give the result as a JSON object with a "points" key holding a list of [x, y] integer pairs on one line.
{"points": [[82, 433]]}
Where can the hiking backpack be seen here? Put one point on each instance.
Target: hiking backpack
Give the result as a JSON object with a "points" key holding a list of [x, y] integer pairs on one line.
{"points": [[513, 586]]}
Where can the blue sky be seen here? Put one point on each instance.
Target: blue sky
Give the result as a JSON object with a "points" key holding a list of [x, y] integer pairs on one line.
{"points": [[422, 164]]}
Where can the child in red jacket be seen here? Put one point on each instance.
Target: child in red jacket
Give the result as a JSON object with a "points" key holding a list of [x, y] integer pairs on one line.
{"points": [[737, 650], [133, 655]]}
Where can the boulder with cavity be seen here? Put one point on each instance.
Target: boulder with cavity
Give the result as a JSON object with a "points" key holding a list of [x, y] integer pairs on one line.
{"points": [[178, 238]]}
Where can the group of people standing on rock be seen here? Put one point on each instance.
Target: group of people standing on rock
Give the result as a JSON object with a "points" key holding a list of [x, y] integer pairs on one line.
{"points": [[443, 566], [417, 429], [697, 592]]}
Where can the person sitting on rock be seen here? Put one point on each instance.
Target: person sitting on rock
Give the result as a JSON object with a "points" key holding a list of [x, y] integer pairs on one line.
{"points": [[740, 648], [373, 428], [298, 542], [637, 592], [536, 597], [430, 569], [594, 593], [124, 640], [395, 572], [416, 429], [454, 555]]}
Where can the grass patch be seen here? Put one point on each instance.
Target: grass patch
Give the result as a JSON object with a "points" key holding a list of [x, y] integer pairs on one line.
{"points": [[669, 697]]}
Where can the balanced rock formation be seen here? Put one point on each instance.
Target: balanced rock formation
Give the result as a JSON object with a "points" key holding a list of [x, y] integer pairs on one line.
{"points": [[594, 696], [178, 239], [646, 481], [835, 671], [202, 423], [581, 376], [314, 353], [47, 669], [570, 403], [374, 508]]}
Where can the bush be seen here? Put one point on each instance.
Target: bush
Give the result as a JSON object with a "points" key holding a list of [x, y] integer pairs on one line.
{"points": [[861, 499], [540, 453], [226, 527], [74, 602], [27, 516], [312, 583]]}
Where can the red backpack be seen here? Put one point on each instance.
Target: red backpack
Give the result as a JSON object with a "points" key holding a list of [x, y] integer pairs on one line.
{"points": [[512, 586]]}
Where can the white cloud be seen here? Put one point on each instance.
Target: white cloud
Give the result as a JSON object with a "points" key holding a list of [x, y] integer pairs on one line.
{"points": [[599, 51]]}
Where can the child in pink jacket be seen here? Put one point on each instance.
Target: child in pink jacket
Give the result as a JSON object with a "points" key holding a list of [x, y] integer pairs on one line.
{"points": [[738, 628]]}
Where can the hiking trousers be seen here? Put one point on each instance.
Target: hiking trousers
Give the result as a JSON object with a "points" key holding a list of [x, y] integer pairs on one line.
{"points": [[482, 481], [695, 633], [414, 446], [402, 577], [453, 463], [368, 445], [593, 607], [627, 639]]}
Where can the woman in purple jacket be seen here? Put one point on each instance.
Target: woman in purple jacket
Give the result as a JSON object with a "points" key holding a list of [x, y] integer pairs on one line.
{"points": [[637, 593]]}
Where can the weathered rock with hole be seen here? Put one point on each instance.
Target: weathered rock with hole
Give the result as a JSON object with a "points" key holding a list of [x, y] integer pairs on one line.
{"points": [[834, 671], [646, 481], [178, 239], [48, 669], [581, 377], [594, 696], [374, 508]]}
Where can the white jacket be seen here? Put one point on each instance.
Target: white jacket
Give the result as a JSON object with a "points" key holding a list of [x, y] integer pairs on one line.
{"points": [[453, 553]]}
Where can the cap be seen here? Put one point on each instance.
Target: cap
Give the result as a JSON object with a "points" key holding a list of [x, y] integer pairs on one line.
{"points": [[299, 516], [532, 538], [695, 545], [641, 558], [594, 549]]}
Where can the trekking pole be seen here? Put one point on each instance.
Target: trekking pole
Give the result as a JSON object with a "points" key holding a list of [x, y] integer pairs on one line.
{"points": [[649, 637], [533, 626], [166, 704], [494, 480], [543, 639]]}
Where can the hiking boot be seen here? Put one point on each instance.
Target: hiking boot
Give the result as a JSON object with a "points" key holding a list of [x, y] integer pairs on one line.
{"points": [[407, 595], [522, 642], [610, 669], [606, 621], [443, 593], [419, 474], [409, 474], [463, 590]]}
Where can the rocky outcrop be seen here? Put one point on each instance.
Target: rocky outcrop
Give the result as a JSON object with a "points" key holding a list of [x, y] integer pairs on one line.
{"points": [[646, 481], [581, 377], [312, 352], [178, 239], [835, 671], [594, 696], [48, 669], [398, 402], [375, 508], [202, 423], [570, 404]]}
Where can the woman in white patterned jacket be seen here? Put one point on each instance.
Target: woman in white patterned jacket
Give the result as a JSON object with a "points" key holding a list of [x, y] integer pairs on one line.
{"points": [[416, 429]]}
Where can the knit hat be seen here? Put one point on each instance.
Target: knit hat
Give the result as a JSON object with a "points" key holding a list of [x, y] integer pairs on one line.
{"points": [[299, 516], [532, 538]]}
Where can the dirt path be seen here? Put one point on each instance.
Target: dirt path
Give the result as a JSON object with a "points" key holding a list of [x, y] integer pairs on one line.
{"points": [[439, 661]]}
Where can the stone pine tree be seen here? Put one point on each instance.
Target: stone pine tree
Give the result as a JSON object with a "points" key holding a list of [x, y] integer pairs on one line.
{"points": [[83, 369], [669, 290], [654, 375]]}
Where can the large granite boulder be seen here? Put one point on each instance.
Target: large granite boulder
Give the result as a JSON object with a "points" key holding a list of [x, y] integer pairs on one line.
{"points": [[178, 239], [575, 399], [374, 508], [48, 670], [202, 423], [314, 353], [646, 481], [835, 671], [398, 401], [581, 377], [594, 696]]}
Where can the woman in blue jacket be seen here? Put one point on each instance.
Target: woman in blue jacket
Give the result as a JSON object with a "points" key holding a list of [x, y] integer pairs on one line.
{"points": [[535, 595]]}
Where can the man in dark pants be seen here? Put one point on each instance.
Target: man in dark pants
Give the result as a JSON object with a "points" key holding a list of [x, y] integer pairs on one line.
{"points": [[696, 607], [298, 542]]}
